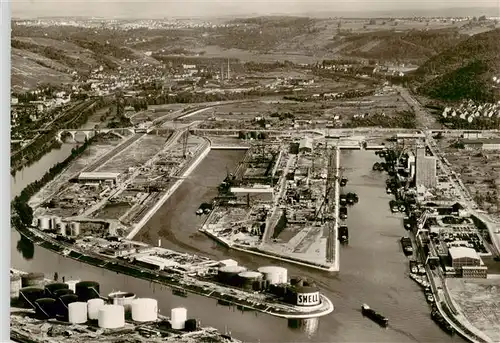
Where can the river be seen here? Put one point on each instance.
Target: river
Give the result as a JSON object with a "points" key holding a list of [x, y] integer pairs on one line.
{"points": [[373, 266]]}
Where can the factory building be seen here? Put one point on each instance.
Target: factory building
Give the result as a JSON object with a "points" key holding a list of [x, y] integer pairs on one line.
{"points": [[481, 144], [261, 194], [306, 145], [467, 262], [98, 177], [425, 174], [154, 262]]}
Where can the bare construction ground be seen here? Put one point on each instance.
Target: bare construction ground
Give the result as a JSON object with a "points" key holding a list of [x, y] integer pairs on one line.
{"points": [[479, 301], [136, 155], [98, 149], [479, 171]]}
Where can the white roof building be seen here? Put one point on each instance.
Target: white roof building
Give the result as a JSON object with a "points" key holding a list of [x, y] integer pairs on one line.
{"points": [[463, 253]]}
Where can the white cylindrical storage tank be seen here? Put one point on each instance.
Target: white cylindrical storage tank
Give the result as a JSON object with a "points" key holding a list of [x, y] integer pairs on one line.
{"points": [[93, 307], [72, 284], [75, 229], [77, 313], [178, 317], [144, 310], [111, 317], [44, 223], [275, 275], [62, 229], [122, 298]]}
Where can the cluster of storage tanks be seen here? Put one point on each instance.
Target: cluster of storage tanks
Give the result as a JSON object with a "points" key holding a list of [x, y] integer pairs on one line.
{"points": [[55, 223], [273, 280], [79, 302]]}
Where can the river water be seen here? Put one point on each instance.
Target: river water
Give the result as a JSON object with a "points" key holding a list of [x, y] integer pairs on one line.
{"points": [[373, 267]]}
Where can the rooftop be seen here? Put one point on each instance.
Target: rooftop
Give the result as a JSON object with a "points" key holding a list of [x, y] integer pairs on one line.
{"points": [[98, 175], [481, 141], [462, 252]]}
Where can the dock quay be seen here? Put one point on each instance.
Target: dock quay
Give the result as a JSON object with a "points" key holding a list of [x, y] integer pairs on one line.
{"points": [[187, 276]]}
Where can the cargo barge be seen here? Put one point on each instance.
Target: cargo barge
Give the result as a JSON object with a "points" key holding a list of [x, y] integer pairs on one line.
{"points": [[45, 311], [373, 315], [279, 298], [407, 246]]}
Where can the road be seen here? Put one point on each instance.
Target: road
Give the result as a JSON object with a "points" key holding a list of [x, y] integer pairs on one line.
{"points": [[425, 120], [465, 197]]}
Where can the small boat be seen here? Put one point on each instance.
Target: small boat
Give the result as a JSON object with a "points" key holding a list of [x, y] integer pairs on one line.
{"points": [[207, 211], [373, 315], [199, 212], [430, 298], [414, 270]]}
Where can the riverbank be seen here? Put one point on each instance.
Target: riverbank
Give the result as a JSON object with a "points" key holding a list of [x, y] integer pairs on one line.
{"points": [[199, 156], [177, 281]]}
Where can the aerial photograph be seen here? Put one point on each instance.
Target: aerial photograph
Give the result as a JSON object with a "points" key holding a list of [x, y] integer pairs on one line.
{"points": [[208, 171]]}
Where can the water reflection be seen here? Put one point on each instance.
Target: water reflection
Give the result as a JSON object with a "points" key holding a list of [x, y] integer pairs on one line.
{"points": [[308, 326], [26, 248]]}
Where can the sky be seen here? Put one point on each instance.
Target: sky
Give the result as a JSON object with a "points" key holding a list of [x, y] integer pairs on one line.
{"points": [[211, 8]]}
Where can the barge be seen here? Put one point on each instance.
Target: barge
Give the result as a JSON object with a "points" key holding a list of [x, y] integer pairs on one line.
{"points": [[199, 275], [343, 234], [373, 315], [407, 246]]}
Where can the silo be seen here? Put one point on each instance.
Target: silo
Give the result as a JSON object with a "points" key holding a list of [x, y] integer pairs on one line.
{"points": [[87, 290], [28, 295], [178, 317], [275, 275], [52, 287], [56, 223], [229, 275], [62, 228], [77, 312], [62, 305], [45, 308], [15, 286], [191, 325], [246, 279], [33, 280], [144, 310], [44, 223], [122, 298], [111, 317], [93, 307], [72, 284], [60, 292], [75, 229]]}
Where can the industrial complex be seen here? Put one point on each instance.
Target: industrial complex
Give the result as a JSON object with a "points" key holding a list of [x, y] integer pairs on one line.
{"points": [[286, 199], [75, 311]]}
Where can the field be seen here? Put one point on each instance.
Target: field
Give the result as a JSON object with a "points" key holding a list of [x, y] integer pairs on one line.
{"points": [[479, 301], [134, 156], [479, 171]]}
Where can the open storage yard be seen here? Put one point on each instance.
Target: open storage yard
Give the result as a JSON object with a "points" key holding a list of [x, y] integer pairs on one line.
{"points": [[103, 144], [478, 169], [479, 301], [294, 220], [136, 155]]}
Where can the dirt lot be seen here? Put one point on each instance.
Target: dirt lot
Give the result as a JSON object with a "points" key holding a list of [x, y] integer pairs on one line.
{"points": [[479, 301], [136, 155], [479, 171], [113, 211]]}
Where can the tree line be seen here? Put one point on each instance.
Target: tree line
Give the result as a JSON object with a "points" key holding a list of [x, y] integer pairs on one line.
{"points": [[23, 213]]}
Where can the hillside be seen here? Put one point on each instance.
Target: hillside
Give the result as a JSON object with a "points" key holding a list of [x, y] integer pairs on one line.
{"points": [[464, 71], [52, 55]]}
